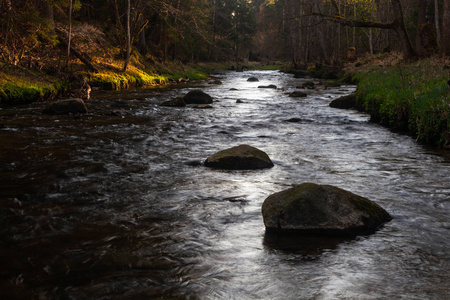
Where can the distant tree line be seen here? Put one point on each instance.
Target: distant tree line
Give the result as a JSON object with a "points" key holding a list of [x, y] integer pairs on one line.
{"points": [[299, 31]]}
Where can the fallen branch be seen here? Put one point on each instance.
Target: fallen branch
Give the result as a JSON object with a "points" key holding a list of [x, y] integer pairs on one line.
{"points": [[82, 57]]}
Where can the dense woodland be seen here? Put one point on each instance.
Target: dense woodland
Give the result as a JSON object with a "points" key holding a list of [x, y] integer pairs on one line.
{"points": [[296, 31]]}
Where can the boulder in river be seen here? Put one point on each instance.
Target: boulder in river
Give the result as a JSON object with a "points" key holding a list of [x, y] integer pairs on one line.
{"points": [[344, 102], [175, 102], [310, 208], [242, 157], [197, 97], [68, 106], [253, 79]]}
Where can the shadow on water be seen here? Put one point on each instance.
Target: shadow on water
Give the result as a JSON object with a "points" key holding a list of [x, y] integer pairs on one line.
{"points": [[307, 245]]}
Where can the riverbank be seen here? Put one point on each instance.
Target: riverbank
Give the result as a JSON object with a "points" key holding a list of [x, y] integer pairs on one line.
{"points": [[19, 85], [412, 98]]}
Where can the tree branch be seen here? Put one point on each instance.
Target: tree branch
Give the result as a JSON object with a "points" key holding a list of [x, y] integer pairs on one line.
{"points": [[357, 23]]}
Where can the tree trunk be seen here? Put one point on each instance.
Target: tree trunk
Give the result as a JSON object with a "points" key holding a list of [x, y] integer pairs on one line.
{"points": [[69, 35], [47, 13], [436, 22], [400, 28], [398, 25], [445, 41], [127, 58], [84, 59], [421, 20]]}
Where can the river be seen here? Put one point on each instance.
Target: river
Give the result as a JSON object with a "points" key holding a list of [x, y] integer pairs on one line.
{"points": [[116, 204]]}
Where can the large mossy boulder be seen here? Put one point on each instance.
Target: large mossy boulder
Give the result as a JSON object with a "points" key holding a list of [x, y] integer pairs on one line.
{"points": [[310, 208], [197, 97], [344, 102], [69, 106], [242, 157]]}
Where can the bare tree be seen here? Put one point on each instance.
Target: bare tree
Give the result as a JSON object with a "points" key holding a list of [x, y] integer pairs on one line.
{"points": [[436, 22], [127, 58], [69, 34], [398, 25], [445, 40]]}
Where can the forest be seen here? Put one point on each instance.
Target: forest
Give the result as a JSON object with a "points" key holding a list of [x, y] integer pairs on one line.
{"points": [[295, 31]]}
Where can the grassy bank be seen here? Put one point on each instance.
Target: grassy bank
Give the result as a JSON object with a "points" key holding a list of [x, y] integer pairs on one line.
{"points": [[23, 86], [19, 85], [411, 97]]}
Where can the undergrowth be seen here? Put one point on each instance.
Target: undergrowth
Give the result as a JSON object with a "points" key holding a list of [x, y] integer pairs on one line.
{"points": [[413, 97]]}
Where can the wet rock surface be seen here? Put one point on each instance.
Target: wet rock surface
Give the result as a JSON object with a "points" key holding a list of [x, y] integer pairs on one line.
{"points": [[322, 209], [242, 157]]}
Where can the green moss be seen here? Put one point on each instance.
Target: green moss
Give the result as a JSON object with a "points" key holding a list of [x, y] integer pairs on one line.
{"points": [[11, 94]]}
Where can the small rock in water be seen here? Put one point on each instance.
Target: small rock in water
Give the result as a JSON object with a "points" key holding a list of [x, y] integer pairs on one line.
{"points": [[243, 157], [176, 102], [294, 120], [197, 97], [270, 86], [298, 94], [202, 106], [69, 106], [344, 102]]}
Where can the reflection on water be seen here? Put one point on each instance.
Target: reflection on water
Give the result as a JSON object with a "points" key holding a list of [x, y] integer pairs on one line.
{"points": [[117, 204]]}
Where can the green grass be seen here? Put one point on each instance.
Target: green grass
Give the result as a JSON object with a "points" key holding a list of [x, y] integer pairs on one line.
{"points": [[116, 80], [412, 97], [20, 86]]}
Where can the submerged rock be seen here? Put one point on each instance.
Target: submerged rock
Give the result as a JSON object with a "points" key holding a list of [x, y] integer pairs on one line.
{"points": [[69, 106], [197, 97], [344, 102], [202, 106], [322, 209], [176, 102], [294, 120], [270, 86], [298, 94], [253, 79], [216, 81], [242, 157]]}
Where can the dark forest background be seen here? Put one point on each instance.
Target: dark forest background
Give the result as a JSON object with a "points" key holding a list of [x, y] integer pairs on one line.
{"points": [[294, 31]]}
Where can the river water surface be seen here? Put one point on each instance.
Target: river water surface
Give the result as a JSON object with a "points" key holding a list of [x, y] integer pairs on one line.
{"points": [[116, 204]]}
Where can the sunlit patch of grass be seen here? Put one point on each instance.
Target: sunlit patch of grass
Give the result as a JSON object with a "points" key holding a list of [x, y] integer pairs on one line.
{"points": [[21, 86]]}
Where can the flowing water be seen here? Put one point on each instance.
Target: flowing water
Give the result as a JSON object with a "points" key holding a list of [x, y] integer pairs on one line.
{"points": [[116, 204]]}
